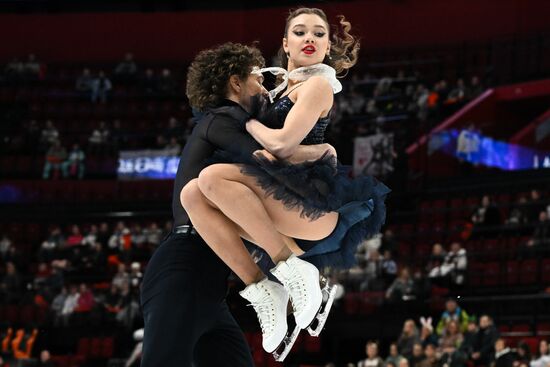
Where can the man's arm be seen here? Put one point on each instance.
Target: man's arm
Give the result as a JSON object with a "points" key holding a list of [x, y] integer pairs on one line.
{"points": [[227, 134]]}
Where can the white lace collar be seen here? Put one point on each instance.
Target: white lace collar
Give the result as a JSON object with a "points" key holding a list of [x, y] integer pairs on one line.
{"points": [[300, 75]]}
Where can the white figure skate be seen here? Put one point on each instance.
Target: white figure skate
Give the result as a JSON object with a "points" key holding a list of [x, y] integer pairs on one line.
{"points": [[270, 301]]}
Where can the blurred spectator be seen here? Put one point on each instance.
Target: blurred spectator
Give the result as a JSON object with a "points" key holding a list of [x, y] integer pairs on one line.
{"points": [[97, 259], [112, 301], [453, 312], [55, 156], [153, 234], [42, 275], [166, 84], [99, 140], [408, 338], [135, 275], [437, 258], [148, 83], [523, 353], [91, 237], [84, 83], [32, 67], [103, 234], [58, 303], [138, 235], [402, 288], [389, 243], [535, 205], [470, 337], [389, 268], [430, 357], [373, 359], [519, 214], [56, 279], [116, 240], [453, 270], [129, 307], [541, 235], [372, 271], [394, 357], [452, 337], [121, 277], [10, 286], [45, 359], [427, 335], [486, 215], [486, 337], [127, 68], [542, 357], [75, 238], [458, 93], [70, 304], [74, 165], [86, 299], [475, 88], [417, 354], [5, 244], [504, 356], [49, 247], [101, 87], [49, 135]]}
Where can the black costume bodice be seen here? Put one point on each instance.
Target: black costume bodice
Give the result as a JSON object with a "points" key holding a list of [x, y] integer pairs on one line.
{"points": [[282, 107]]}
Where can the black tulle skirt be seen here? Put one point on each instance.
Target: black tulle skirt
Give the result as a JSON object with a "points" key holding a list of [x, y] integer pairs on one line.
{"points": [[316, 188]]}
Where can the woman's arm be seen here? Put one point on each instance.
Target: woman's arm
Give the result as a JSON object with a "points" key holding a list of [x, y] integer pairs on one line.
{"points": [[314, 98], [303, 153]]}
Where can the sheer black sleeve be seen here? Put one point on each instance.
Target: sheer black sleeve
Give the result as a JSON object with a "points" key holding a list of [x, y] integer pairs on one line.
{"points": [[227, 134]]}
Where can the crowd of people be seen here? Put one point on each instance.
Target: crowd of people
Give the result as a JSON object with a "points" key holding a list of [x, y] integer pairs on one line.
{"points": [[457, 340], [369, 105]]}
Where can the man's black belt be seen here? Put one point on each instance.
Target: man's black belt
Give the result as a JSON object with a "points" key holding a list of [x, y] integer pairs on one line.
{"points": [[184, 229]]}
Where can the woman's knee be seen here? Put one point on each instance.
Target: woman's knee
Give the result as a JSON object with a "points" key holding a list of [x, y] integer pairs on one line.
{"points": [[190, 194], [210, 179]]}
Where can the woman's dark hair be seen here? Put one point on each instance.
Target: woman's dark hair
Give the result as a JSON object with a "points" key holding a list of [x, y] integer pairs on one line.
{"points": [[344, 47], [209, 73]]}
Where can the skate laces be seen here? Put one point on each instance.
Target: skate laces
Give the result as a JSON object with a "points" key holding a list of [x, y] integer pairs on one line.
{"points": [[264, 309], [297, 290]]}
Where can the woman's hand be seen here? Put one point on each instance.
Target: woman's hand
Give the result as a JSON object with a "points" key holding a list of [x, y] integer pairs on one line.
{"points": [[262, 153]]}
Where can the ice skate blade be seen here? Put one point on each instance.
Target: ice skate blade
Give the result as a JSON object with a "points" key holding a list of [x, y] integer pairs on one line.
{"points": [[321, 318], [287, 344]]}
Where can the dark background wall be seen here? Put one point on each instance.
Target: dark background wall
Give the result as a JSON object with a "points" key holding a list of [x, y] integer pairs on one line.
{"points": [[178, 36]]}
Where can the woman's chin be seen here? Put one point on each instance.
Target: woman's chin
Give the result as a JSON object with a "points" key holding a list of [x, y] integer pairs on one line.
{"points": [[306, 62]]}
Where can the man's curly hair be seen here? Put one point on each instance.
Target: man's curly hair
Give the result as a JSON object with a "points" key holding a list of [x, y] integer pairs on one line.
{"points": [[208, 75]]}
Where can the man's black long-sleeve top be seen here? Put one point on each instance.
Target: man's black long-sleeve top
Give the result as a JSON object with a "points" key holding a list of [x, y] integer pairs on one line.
{"points": [[220, 128]]}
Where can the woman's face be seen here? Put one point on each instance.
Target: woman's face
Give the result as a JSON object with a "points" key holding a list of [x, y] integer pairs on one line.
{"points": [[307, 41], [543, 347]]}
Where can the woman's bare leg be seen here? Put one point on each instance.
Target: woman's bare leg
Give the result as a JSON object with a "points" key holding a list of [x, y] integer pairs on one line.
{"points": [[264, 218], [221, 234]]}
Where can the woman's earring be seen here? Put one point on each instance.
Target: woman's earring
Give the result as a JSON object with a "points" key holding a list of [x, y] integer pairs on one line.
{"points": [[329, 57], [288, 54]]}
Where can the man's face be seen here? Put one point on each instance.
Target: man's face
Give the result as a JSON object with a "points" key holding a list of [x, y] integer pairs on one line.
{"points": [[251, 87], [451, 306], [484, 322]]}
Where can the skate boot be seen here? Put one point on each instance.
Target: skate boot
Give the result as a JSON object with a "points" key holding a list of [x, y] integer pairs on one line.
{"points": [[301, 280], [329, 292], [270, 301]]}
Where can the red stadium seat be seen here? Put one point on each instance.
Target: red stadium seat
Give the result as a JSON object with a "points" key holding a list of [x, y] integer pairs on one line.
{"points": [[528, 273], [491, 274], [512, 273]]}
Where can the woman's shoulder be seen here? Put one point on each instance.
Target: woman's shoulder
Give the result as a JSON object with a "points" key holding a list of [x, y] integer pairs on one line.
{"points": [[318, 82]]}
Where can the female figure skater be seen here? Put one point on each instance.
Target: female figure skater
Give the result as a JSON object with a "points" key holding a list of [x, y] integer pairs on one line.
{"points": [[331, 213]]}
